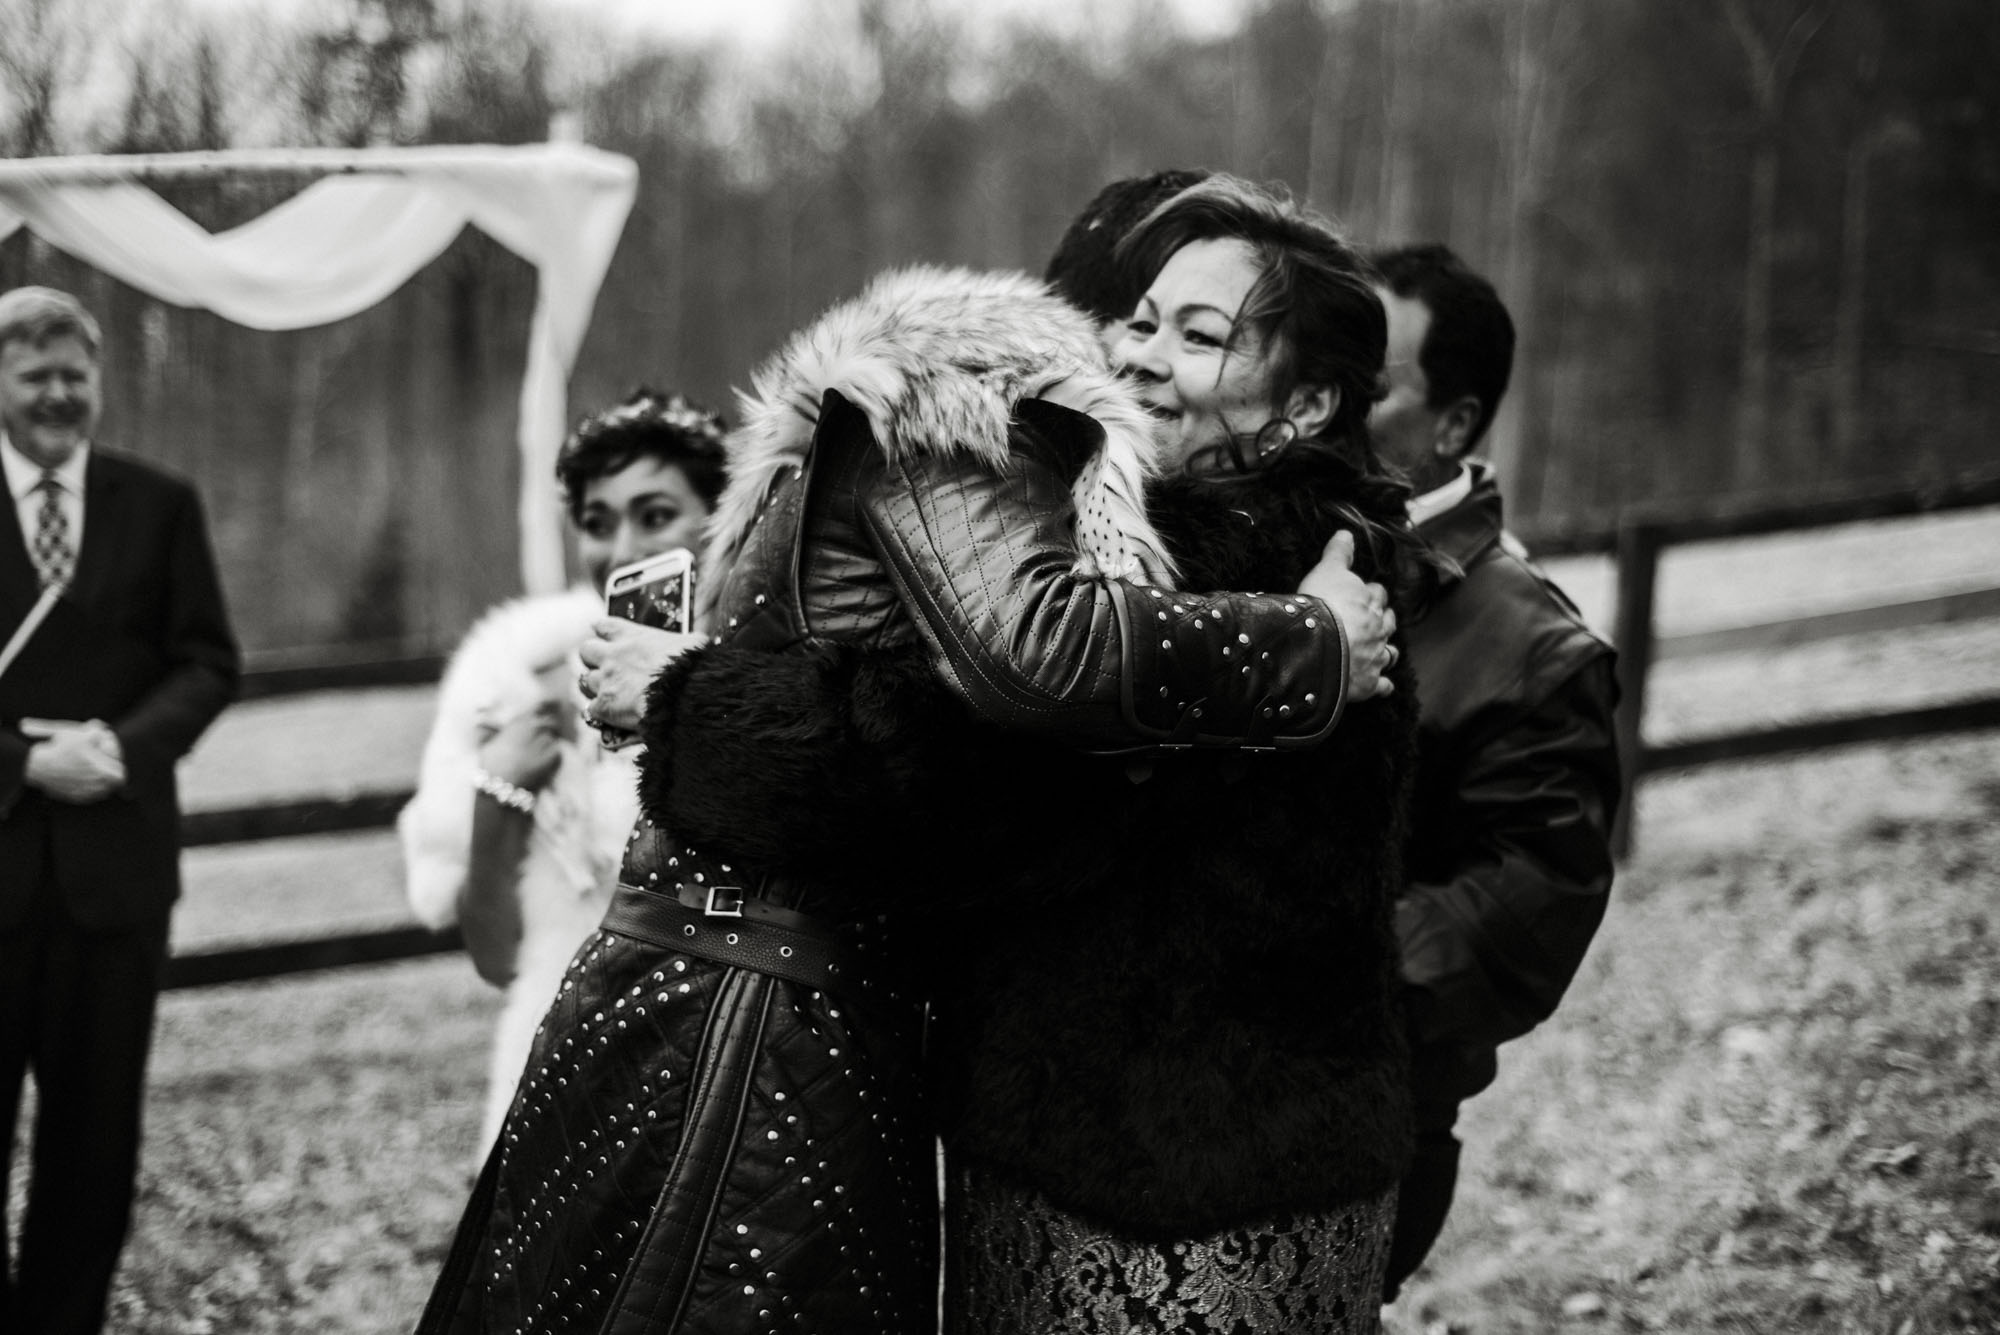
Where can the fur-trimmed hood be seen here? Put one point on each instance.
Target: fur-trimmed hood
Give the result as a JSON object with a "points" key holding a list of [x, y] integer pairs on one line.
{"points": [[936, 359]]}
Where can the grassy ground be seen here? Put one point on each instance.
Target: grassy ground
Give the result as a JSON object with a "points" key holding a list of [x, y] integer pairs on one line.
{"points": [[1768, 1105], [1772, 1100], [307, 1151]]}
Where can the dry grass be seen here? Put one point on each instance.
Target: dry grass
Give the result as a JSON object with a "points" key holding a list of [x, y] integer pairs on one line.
{"points": [[1769, 1103], [307, 1152]]}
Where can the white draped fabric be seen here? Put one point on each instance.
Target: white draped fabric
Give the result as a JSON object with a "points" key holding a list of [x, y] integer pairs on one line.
{"points": [[349, 240]]}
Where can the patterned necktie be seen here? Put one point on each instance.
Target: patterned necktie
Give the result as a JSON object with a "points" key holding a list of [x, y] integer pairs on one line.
{"points": [[51, 550]]}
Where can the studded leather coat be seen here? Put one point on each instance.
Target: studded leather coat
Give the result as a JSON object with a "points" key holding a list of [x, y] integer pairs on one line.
{"points": [[722, 1128], [1164, 989]]}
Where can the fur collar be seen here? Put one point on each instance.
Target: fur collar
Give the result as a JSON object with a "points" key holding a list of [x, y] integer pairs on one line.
{"points": [[936, 359], [493, 674]]}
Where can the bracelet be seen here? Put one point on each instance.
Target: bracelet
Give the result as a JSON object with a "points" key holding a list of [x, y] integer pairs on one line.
{"points": [[507, 794]]}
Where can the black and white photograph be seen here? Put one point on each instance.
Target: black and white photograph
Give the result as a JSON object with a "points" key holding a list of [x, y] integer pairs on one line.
{"points": [[1020, 667]]}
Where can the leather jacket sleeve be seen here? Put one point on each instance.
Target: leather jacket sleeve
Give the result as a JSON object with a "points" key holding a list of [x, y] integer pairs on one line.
{"points": [[1488, 952], [983, 560]]}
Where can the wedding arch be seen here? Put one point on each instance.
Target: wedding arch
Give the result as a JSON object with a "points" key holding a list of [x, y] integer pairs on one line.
{"points": [[371, 220]]}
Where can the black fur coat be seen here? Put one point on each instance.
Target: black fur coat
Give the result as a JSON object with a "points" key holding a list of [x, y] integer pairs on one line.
{"points": [[1163, 992]]}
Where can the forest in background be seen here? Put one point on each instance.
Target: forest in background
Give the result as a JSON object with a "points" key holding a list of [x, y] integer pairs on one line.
{"points": [[1752, 245]]}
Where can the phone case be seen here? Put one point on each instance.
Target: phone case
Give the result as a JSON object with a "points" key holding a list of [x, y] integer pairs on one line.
{"points": [[655, 591]]}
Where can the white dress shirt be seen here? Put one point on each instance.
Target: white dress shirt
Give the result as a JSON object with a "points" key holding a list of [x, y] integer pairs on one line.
{"points": [[1436, 501], [24, 480]]}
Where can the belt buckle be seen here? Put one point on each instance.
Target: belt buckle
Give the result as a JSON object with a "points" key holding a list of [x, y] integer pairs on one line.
{"points": [[730, 907]]}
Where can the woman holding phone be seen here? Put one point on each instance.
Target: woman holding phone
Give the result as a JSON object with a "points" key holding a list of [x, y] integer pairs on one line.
{"points": [[1166, 1055], [521, 811], [722, 1127]]}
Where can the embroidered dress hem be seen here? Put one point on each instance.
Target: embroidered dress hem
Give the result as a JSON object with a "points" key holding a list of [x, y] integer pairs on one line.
{"points": [[1016, 1264]]}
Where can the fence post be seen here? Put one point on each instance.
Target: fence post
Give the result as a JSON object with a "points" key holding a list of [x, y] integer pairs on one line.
{"points": [[1639, 544]]}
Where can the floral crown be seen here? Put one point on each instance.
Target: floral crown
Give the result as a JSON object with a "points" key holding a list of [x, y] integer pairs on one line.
{"points": [[674, 411]]}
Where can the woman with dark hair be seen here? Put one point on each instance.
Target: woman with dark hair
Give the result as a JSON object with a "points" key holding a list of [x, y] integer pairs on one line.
{"points": [[1190, 1101], [520, 813], [935, 495], [1166, 1060]]}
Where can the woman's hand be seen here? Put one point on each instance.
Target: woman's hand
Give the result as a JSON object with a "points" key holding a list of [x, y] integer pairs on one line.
{"points": [[620, 661], [525, 750], [1363, 609]]}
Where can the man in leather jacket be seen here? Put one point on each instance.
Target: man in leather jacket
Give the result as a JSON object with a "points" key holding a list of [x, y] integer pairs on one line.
{"points": [[1509, 862]]}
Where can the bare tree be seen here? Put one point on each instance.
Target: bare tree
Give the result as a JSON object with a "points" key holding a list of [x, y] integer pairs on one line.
{"points": [[1327, 146], [1538, 39], [912, 46], [1877, 124], [1401, 88], [352, 78], [1769, 65], [490, 80], [1279, 61], [44, 47], [210, 129]]}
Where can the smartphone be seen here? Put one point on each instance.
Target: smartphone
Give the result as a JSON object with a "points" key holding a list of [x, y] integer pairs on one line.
{"points": [[657, 591]]}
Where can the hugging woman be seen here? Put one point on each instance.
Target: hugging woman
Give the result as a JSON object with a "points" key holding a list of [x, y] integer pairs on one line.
{"points": [[1167, 1064], [721, 1127]]}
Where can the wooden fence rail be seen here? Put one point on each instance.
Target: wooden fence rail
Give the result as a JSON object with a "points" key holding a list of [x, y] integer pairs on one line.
{"points": [[275, 959], [1637, 539]]}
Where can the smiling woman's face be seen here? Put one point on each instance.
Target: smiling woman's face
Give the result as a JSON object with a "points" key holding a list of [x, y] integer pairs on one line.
{"points": [[1200, 373], [646, 507]]}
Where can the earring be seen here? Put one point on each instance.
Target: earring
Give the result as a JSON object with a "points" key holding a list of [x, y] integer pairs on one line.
{"points": [[1273, 439]]}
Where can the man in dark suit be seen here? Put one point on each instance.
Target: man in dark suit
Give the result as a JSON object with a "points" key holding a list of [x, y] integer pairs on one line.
{"points": [[123, 671], [1508, 862]]}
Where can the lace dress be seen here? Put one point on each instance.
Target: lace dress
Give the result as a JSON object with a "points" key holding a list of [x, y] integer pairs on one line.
{"points": [[1014, 1263]]}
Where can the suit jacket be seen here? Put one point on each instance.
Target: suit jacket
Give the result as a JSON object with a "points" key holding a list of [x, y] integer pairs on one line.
{"points": [[141, 641]]}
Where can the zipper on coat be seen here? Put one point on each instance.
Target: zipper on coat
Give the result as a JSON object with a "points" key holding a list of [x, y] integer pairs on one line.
{"points": [[685, 1210]]}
